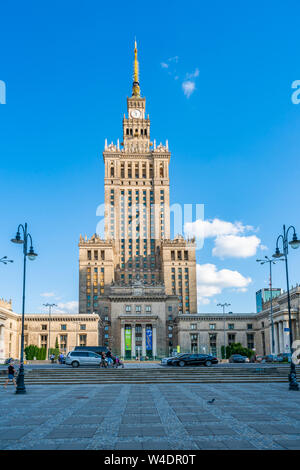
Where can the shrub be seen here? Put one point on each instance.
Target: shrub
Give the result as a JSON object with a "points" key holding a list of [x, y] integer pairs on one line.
{"points": [[33, 351]]}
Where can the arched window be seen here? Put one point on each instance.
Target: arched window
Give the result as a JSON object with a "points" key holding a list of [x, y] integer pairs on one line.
{"points": [[161, 170], [145, 132], [141, 131], [127, 131]]}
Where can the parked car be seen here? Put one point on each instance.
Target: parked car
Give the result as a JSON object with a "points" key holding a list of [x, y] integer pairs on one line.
{"points": [[167, 361], [238, 358], [194, 360], [284, 357], [271, 358], [95, 349], [83, 358]]}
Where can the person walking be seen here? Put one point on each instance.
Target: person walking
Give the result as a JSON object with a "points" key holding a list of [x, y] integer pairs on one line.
{"points": [[103, 361], [11, 375]]}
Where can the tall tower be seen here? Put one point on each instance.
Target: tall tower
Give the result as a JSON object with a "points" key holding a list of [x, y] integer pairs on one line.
{"points": [[137, 279], [137, 194]]}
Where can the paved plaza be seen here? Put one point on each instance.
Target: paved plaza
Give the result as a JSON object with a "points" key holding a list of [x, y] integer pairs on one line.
{"points": [[151, 417]]}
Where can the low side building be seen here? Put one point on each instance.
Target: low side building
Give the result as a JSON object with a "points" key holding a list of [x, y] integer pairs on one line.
{"points": [[207, 332], [42, 330]]}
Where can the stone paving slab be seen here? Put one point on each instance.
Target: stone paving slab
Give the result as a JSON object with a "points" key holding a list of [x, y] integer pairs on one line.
{"points": [[151, 417]]}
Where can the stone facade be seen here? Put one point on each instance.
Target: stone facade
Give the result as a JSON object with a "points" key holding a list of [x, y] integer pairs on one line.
{"points": [[137, 244], [70, 329], [207, 333]]}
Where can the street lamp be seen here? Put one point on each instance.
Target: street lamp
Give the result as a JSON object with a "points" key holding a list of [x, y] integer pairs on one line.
{"points": [[270, 261], [223, 306], [31, 255], [5, 260], [50, 306], [294, 243]]}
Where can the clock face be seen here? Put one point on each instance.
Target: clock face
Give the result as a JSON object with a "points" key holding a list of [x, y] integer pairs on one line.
{"points": [[135, 113]]}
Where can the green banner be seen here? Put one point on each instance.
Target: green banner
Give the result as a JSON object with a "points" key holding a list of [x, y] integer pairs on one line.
{"points": [[127, 339]]}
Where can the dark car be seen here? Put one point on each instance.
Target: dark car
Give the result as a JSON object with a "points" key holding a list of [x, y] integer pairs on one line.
{"points": [[194, 360], [167, 361], [238, 358]]}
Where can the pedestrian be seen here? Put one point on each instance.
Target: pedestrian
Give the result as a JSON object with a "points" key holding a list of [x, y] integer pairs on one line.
{"points": [[11, 375], [103, 361], [52, 357]]}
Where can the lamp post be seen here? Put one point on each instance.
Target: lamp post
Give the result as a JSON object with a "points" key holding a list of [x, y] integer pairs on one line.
{"points": [[223, 306], [294, 243], [270, 261], [31, 256], [5, 260], [50, 307]]}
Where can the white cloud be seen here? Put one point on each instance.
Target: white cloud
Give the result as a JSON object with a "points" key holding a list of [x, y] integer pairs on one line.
{"points": [[211, 282], [235, 246], [214, 228], [188, 87], [193, 74], [231, 239], [67, 307], [47, 294], [164, 65]]}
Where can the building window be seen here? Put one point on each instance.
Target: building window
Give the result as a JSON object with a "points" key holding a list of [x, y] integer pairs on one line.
{"points": [[212, 326], [43, 341], [148, 308], [128, 308], [82, 340], [231, 339], [193, 326], [63, 327], [44, 327], [213, 344], [249, 326], [63, 342], [83, 327], [250, 341], [138, 308], [194, 344], [230, 326]]}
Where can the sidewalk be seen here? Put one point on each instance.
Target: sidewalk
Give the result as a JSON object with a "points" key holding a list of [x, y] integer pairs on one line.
{"points": [[162, 416]]}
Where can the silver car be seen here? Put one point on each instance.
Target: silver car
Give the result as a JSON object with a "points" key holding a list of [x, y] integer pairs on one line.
{"points": [[83, 358]]}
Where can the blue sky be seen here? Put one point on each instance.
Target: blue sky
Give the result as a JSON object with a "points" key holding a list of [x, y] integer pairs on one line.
{"points": [[234, 140]]}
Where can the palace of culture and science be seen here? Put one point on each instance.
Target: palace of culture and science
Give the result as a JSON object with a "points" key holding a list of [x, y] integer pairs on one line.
{"points": [[137, 279]]}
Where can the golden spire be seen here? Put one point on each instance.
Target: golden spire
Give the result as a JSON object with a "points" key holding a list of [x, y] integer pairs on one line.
{"points": [[136, 85]]}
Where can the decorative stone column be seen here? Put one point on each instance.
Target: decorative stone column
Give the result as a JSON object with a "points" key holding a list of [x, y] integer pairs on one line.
{"points": [[154, 353], [143, 340], [133, 352], [122, 341]]}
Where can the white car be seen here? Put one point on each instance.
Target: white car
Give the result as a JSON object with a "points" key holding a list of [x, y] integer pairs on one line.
{"points": [[83, 358]]}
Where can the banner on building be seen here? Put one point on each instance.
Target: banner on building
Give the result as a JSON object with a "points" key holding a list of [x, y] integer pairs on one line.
{"points": [[127, 339], [148, 339]]}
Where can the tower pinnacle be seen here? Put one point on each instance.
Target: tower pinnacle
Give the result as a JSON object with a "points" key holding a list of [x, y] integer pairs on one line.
{"points": [[136, 85]]}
